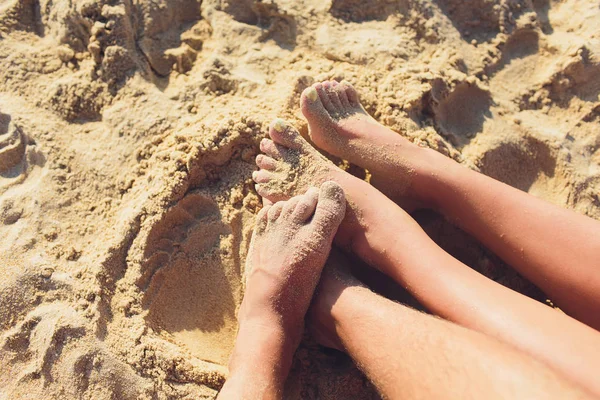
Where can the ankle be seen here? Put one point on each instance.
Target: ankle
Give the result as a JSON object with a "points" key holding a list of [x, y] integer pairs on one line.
{"points": [[351, 226], [327, 311], [261, 345]]}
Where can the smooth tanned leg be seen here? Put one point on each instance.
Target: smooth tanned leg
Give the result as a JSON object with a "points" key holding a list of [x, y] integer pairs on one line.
{"points": [[555, 248], [411, 355]]}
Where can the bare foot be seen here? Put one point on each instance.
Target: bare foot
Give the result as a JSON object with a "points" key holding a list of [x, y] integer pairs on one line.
{"points": [[339, 124], [291, 242], [291, 165]]}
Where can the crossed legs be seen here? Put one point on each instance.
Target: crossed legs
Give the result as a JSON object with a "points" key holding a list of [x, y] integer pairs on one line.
{"points": [[411, 355], [387, 238], [405, 353]]}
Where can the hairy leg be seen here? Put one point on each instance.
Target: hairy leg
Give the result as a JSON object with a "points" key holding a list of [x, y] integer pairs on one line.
{"points": [[555, 248], [411, 355], [290, 244], [386, 237]]}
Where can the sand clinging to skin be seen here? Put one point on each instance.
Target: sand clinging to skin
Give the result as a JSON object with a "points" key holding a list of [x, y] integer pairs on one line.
{"points": [[128, 132]]}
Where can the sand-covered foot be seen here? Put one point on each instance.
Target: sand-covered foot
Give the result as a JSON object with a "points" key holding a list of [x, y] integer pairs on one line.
{"points": [[337, 121], [339, 124], [290, 165], [291, 242]]}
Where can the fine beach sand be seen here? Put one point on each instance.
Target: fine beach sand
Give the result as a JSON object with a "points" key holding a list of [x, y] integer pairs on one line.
{"points": [[128, 131]]}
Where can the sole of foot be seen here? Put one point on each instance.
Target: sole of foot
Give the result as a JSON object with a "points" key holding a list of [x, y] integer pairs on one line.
{"points": [[290, 164]]}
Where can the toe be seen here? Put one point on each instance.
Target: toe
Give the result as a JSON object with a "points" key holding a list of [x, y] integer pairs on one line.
{"points": [[324, 97], [310, 96], [262, 176], [310, 101], [269, 147], [311, 106], [266, 162], [269, 194], [333, 96], [275, 211], [290, 206], [261, 220], [341, 91], [351, 93], [331, 208], [263, 192], [306, 206], [284, 134]]}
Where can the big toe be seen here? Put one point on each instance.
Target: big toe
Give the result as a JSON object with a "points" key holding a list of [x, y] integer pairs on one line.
{"points": [[331, 208], [311, 104], [284, 134]]}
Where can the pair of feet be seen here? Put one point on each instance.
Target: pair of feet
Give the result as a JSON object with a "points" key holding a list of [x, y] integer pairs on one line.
{"points": [[293, 236], [339, 125], [293, 239]]}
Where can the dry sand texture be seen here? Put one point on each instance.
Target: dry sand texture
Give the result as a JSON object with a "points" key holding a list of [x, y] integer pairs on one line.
{"points": [[127, 138]]}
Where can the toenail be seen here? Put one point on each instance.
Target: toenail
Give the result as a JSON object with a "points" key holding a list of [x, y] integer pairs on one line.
{"points": [[254, 175], [345, 82], [279, 125], [312, 94]]}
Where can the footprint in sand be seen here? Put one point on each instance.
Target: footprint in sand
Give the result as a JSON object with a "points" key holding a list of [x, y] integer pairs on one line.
{"points": [[189, 278], [36, 342]]}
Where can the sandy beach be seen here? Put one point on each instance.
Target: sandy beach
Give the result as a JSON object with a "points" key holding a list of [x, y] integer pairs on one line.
{"points": [[128, 132]]}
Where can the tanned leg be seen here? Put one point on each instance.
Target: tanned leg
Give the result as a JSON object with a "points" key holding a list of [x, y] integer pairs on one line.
{"points": [[386, 237], [411, 355], [290, 244], [555, 248]]}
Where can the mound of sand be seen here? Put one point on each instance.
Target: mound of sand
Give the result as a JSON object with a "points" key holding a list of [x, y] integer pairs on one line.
{"points": [[128, 132]]}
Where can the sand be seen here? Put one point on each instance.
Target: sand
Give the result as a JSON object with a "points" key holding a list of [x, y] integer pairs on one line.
{"points": [[128, 131]]}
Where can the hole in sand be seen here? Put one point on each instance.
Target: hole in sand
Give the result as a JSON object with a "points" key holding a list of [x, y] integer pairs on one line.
{"points": [[519, 164], [520, 44], [460, 116], [360, 10], [474, 19]]}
